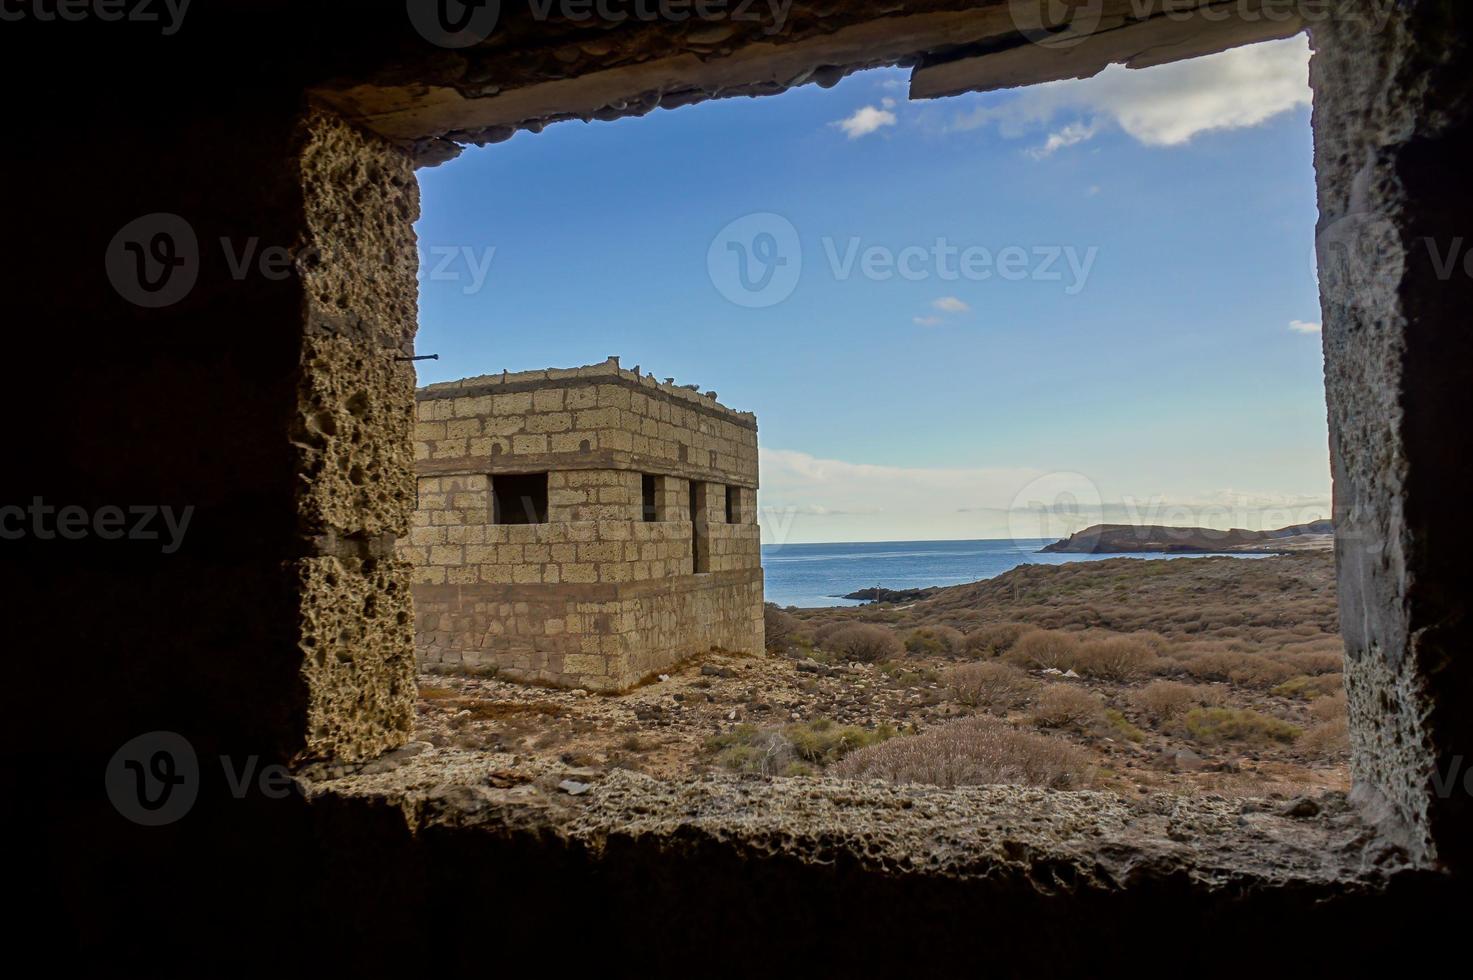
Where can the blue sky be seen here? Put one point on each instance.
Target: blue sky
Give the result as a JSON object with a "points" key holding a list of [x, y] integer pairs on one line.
{"points": [[1135, 337]]}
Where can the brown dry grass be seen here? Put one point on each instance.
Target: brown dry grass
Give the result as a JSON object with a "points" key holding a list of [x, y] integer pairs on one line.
{"points": [[1115, 658], [1243, 725], [1165, 701], [993, 639], [1266, 602], [780, 628], [990, 684], [935, 641], [1067, 706], [972, 752], [1044, 649], [1329, 708], [1328, 739], [864, 643]]}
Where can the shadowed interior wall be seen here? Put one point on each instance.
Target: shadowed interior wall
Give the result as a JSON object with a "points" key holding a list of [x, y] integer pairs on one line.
{"points": [[1392, 130], [264, 399]]}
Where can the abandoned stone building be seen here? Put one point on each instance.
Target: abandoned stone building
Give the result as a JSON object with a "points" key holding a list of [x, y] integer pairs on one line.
{"points": [[279, 403], [586, 527]]}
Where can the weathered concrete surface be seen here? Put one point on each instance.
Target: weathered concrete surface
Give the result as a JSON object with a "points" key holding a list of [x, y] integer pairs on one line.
{"points": [[1393, 118], [1094, 35], [736, 874], [266, 399], [529, 73], [1084, 839]]}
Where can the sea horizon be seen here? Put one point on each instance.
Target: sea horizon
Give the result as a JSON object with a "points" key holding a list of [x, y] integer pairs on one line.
{"points": [[818, 574]]}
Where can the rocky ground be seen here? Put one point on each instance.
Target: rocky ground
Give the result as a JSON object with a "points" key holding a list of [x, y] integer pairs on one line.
{"points": [[1263, 681]]}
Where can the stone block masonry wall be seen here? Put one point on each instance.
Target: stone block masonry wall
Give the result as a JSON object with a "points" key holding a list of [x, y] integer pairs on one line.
{"points": [[601, 595]]}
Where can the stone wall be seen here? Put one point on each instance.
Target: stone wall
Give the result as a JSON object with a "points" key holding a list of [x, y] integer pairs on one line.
{"points": [[598, 596], [1393, 112]]}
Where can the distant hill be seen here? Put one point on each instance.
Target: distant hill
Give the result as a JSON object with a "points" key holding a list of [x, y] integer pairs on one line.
{"points": [[1124, 539]]}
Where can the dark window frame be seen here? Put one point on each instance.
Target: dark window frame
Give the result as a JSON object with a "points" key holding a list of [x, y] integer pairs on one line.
{"points": [[528, 491]]}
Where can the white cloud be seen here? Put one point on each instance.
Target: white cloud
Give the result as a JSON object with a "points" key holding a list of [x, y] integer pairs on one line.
{"points": [[1068, 136], [865, 121], [947, 305], [1303, 326], [806, 498], [1162, 106]]}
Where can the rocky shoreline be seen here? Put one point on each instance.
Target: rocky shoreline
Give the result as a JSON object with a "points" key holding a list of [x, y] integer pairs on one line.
{"points": [[877, 594]]}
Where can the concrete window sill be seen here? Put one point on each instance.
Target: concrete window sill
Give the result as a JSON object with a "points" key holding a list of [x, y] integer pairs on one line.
{"points": [[1049, 840]]}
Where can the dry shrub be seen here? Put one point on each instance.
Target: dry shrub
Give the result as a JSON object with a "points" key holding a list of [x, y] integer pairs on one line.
{"points": [[826, 631], [1311, 688], [1211, 725], [763, 751], [1045, 648], [994, 639], [1064, 706], [792, 750], [822, 742], [990, 685], [1329, 739], [934, 641], [865, 643], [779, 627], [1243, 669], [1153, 640], [1314, 661], [972, 752], [1115, 658], [1329, 708], [1115, 721], [1163, 701]]}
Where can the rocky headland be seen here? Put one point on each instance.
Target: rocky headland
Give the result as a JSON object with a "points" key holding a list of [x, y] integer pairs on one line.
{"points": [[1125, 539]]}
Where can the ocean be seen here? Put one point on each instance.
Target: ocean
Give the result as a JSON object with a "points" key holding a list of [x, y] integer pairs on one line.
{"points": [[817, 574]]}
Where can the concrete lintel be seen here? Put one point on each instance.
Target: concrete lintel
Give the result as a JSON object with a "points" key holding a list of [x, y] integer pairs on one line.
{"points": [[1086, 47], [420, 112]]}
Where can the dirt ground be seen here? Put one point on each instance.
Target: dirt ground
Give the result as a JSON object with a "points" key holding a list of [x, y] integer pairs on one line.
{"points": [[1206, 622]]}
